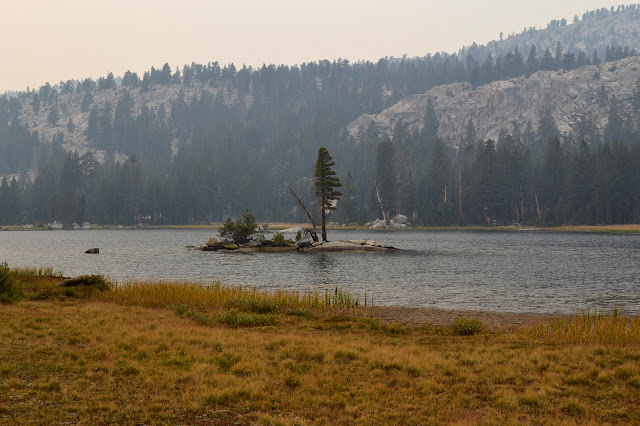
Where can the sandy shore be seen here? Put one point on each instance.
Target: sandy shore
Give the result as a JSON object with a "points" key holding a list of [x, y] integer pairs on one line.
{"points": [[417, 317]]}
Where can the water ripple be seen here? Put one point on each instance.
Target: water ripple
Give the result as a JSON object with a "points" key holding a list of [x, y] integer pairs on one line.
{"points": [[489, 271]]}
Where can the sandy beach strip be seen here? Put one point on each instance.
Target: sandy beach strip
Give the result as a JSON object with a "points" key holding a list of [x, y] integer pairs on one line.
{"points": [[418, 317]]}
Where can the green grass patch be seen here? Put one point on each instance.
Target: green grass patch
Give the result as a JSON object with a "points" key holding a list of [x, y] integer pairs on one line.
{"points": [[94, 281], [464, 326]]}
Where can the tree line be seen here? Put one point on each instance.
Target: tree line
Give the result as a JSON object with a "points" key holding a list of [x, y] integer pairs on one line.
{"points": [[232, 138], [540, 178]]}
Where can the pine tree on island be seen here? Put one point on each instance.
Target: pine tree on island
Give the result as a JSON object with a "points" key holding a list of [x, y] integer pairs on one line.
{"points": [[326, 183]]}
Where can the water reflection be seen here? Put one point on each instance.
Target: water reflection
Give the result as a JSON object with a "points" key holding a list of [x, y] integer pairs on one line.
{"points": [[321, 262]]}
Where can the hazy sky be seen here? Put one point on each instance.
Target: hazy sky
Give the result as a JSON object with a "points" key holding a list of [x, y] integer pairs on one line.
{"points": [[49, 40]]}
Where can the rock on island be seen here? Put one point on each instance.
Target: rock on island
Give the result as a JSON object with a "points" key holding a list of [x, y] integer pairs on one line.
{"points": [[304, 247]]}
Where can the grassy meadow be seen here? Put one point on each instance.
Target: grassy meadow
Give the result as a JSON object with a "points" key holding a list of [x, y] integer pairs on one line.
{"points": [[89, 352]]}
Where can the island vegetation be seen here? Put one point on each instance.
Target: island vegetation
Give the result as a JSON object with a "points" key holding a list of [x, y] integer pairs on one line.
{"points": [[245, 235], [92, 351]]}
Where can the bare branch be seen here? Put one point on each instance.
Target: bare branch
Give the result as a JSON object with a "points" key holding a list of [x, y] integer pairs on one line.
{"points": [[314, 234]]}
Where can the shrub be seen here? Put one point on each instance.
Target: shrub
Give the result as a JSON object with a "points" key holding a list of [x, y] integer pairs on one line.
{"points": [[257, 305], [9, 289], [464, 326], [278, 240], [93, 281], [240, 231]]}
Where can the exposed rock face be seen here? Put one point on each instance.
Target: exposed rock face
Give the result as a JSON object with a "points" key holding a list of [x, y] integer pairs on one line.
{"points": [[521, 100], [76, 140]]}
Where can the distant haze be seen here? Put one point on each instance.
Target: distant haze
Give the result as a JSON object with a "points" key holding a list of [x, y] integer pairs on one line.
{"points": [[66, 39]]}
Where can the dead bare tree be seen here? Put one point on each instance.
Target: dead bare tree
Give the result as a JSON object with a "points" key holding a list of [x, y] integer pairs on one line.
{"points": [[537, 205], [314, 234], [387, 221]]}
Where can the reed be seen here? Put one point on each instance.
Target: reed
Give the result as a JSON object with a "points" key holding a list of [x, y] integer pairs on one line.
{"points": [[595, 327], [30, 280], [32, 273], [218, 296]]}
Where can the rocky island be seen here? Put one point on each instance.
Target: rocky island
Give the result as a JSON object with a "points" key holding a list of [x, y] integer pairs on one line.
{"points": [[304, 247]]}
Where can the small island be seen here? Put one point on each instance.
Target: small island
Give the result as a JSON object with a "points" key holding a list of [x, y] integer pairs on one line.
{"points": [[304, 247], [244, 235]]}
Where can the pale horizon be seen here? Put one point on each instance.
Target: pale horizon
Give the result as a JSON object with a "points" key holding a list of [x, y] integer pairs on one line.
{"points": [[72, 39]]}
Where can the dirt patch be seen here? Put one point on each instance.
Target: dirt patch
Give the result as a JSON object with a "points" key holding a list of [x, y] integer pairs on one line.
{"points": [[417, 317]]}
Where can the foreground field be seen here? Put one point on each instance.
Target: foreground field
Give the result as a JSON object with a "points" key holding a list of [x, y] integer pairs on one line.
{"points": [[131, 355]]}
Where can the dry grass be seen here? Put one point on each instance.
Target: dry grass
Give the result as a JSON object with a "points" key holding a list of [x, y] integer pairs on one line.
{"points": [[96, 362], [589, 328], [216, 295], [109, 359], [613, 229]]}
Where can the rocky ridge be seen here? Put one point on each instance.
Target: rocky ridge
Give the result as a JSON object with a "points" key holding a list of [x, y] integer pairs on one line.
{"points": [[596, 31], [501, 104]]}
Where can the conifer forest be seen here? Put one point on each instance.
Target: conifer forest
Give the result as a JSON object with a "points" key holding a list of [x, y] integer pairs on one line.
{"points": [[197, 144]]}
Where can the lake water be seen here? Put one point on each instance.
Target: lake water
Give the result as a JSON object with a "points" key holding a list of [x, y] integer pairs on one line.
{"points": [[528, 271]]}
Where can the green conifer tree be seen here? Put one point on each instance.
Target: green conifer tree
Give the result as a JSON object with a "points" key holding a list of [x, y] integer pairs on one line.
{"points": [[326, 183]]}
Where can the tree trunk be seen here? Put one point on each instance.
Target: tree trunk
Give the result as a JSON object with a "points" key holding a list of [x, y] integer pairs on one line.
{"points": [[387, 221], [537, 205], [323, 214]]}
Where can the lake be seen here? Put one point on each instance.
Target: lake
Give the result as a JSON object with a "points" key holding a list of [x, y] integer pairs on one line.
{"points": [[519, 271]]}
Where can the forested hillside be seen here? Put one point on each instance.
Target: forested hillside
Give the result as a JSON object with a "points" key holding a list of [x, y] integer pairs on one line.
{"points": [[197, 144], [591, 33]]}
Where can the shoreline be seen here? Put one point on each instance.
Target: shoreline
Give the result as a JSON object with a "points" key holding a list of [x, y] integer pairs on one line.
{"points": [[632, 229], [418, 317]]}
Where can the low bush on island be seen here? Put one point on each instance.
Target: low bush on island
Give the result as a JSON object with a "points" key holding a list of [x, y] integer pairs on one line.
{"points": [[241, 230]]}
